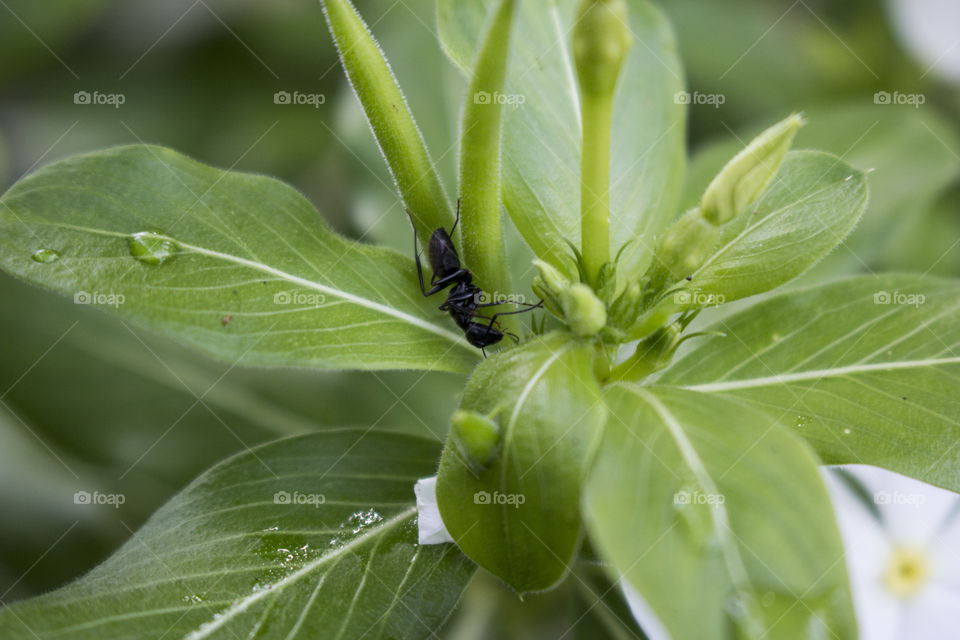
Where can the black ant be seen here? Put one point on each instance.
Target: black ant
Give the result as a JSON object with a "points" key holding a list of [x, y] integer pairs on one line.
{"points": [[464, 297]]}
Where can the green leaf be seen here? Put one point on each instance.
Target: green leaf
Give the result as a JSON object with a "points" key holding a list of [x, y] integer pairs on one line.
{"points": [[814, 202], [864, 381], [292, 539], [519, 517], [241, 266], [705, 505], [541, 135]]}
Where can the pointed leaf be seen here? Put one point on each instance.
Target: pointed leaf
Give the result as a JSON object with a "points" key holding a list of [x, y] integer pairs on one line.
{"points": [[867, 369], [518, 515], [300, 538], [241, 266], [706, 506]]}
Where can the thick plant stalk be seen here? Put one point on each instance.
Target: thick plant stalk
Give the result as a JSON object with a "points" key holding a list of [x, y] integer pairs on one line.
{"points": [[390, 118], [480, 214], [601, 40]]}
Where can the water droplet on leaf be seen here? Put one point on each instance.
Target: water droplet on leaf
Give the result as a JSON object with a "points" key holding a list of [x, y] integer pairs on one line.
{"points": [[45, 256], [150, 247]]}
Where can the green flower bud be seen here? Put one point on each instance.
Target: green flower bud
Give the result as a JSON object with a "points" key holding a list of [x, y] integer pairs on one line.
{"points": [[476, 438], [582, 310], [601, 39], [749, 173]]}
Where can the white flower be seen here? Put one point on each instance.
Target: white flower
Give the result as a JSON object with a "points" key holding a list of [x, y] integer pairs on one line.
{"points": [[902, 540], [429, 524]]}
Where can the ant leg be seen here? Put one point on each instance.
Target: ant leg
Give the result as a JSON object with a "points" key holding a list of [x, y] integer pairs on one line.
{"points": [[445, 281], [531, 307], [416, 255]]}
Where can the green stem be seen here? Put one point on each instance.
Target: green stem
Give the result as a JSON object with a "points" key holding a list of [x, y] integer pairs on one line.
{"points": [[390, 118], [601, 40], [480, 213], [595, 182]]}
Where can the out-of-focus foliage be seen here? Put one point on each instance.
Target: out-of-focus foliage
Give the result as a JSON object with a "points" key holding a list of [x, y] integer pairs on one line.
{"points": [[201, 77]]}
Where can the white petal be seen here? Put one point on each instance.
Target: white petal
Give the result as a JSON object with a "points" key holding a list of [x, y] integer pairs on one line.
{"points": [[643, 614], [913, 511], [867, 553], [929, 30], [429, 523], [933, 615]]}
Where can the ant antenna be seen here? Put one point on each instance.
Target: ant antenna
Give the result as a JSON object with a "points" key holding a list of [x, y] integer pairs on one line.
{"points": [[457, 221]]}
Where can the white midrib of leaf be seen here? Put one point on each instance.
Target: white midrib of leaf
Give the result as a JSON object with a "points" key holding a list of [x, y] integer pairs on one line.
{"points": [[521, 400], [240, 606], [718, 513], [816, 374], [303, 282]]}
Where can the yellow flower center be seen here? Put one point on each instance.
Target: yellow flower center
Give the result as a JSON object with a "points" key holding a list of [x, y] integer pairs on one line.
{"points": [[907, 571]]}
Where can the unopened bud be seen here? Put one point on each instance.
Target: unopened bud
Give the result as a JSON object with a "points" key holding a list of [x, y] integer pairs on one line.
{"points": [[582, 310], [475, 437], [601, 39], [749, 173]]}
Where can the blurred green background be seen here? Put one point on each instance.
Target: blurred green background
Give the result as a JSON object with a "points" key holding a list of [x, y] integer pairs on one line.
{"points": [[88, 402]]}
